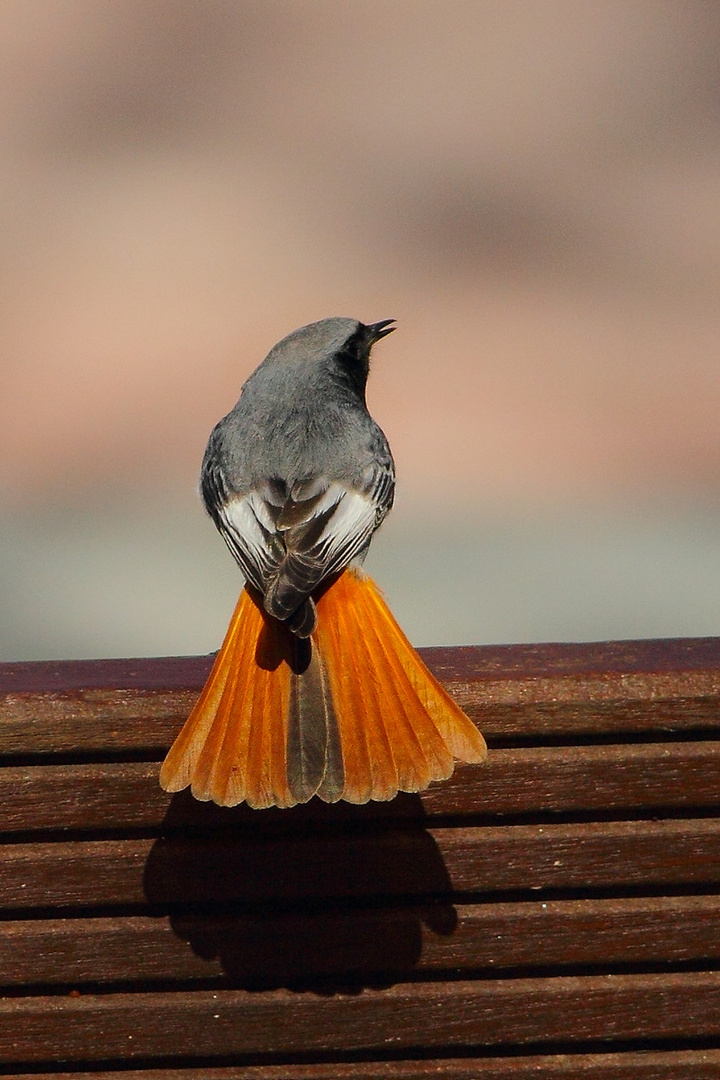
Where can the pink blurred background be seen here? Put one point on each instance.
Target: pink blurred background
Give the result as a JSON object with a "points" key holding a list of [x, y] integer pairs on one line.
{"points": [[531, 189]]}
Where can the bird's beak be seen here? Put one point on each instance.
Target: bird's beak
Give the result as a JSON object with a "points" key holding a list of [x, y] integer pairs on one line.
{"points": [[379, 330]]}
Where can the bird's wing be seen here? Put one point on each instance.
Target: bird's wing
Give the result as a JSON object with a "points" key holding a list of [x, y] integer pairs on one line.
{"points": [[288, 541]]}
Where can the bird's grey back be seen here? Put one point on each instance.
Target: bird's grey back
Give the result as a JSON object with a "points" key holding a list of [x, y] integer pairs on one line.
{"points": [[300, 416]]}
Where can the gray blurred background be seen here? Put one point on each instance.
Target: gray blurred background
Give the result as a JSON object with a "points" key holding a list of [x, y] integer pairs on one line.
{"points": [[532, 189]]}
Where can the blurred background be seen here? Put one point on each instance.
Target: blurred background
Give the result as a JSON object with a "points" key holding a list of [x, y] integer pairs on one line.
{"points": [[531, 189]]}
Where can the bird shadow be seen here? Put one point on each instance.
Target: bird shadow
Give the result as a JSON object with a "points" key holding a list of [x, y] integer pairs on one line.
{"points": [[320, 897]]}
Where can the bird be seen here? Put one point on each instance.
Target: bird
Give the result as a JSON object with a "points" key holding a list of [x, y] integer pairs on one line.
{"points": [[315, 691]]}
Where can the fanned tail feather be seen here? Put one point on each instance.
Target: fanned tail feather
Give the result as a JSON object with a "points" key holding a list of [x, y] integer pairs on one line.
{"points": [[458, 733], [399, 729], [351, 713], [232, 747]]}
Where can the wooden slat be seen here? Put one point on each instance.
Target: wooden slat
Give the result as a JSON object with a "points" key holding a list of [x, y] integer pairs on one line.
{"points": [[371, 894], [484, 665], [76, 706], [279, 947], [144, 723], [583, 778], [92, 721], [514, 781], [670, 1065], [395, 863], [465, 1014]]}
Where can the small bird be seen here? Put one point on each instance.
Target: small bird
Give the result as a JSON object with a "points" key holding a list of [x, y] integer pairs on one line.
{"points": [[315, 690]]}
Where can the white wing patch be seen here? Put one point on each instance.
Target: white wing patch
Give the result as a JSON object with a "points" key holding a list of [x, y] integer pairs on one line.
{"points": [[348, 529], [247, 537], [263, 512], [336, 526]]}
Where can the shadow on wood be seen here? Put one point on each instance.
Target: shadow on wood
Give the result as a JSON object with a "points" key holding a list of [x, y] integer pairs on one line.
{"points": [[322, 898]]}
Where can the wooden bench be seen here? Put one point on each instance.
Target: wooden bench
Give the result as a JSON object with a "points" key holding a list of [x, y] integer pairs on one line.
{"points": [[553, 914]]}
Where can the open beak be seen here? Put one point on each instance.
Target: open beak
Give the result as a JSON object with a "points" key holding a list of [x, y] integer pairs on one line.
{"points": [[379, 330]]}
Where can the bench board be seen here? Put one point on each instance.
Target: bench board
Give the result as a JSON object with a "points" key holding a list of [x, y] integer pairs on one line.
{"points": [[552, 914]]}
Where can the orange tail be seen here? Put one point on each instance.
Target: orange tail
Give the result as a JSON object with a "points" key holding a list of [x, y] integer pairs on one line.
{"points": [[351, 713]]}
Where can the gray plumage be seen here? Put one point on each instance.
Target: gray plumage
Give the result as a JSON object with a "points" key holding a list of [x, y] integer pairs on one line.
{"points": [[297, 478], [298, 475]]}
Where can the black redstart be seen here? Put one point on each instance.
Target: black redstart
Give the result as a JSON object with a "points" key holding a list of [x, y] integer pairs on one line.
{"points": [[316, 690]]}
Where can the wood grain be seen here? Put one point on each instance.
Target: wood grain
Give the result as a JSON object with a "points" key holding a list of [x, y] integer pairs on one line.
{"points": [[395, 863], [669, 1065], [144, 723], [471, 920], [464, 1014], [513, 781], [623, 687], [285, 946], [478, 664]]}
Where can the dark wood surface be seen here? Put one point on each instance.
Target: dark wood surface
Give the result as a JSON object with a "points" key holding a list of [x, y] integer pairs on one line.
{"points": [[555, 913], [396, 863], [526, 692], [487, 937], [647, 1065], [458, 1014], [515, 781]]}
